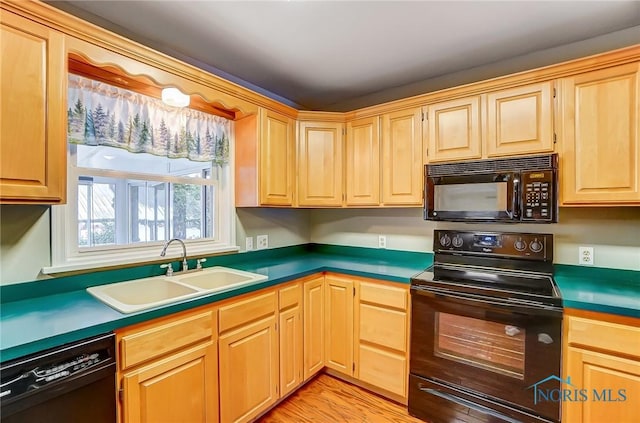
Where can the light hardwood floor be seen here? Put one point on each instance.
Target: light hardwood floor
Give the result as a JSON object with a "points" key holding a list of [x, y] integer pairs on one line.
{"points": [[329, 400]]}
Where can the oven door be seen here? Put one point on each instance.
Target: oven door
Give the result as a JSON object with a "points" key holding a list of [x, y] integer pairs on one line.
{"points": [[489, 347], [482, 197]]}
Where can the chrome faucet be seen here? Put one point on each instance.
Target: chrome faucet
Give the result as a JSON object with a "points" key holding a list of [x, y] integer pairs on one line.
{"points": [[185, 265]]}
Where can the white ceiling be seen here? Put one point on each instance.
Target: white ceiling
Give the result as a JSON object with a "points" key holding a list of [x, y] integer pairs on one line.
{"points": [[341, 55]]}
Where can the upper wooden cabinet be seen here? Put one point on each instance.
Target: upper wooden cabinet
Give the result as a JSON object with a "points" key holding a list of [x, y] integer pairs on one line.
{"points": [[265, 160], [507, 122], [599, 137], [402, 157], [520, 120], [362, 165], [453, 130], [320, 153], [33, 158]]}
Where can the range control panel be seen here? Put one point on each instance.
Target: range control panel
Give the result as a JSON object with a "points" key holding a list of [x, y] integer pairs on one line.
{"points": [[538, 196], [505, 244]]}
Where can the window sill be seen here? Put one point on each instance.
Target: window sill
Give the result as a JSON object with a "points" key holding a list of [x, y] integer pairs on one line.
{"points": [[92, 262]]}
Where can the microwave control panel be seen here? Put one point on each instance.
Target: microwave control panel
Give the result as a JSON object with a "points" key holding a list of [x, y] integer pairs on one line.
{"points": [[538, 192]]}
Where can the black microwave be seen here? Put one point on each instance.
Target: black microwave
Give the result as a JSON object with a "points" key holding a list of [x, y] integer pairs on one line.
{"points": [[519, 189]]}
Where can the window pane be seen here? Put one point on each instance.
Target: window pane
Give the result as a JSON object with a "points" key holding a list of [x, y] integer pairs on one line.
{"points": [[147, 202], [96, 213], [132, 211], [83, 215], [111, 158], [188, 210]]}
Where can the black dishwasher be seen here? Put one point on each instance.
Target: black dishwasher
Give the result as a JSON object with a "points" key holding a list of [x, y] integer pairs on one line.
{"points": [[74, 383]]}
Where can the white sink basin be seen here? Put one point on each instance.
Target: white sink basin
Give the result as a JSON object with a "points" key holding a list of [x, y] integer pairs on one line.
{"points": [[142, 294], [217, 278]]}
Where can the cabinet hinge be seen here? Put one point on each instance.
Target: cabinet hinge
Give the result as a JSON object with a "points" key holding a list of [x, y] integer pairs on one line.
{"points": [[423, 116], [354, 291], [121, 395], [353, 367], [555, 139], [554, 93], [276, 389]]}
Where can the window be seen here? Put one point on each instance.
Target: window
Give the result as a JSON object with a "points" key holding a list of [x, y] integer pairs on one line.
{"points": [[123, 205]]}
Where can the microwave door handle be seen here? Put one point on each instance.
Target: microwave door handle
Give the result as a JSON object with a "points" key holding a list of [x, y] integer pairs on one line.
{"points": [[515, 203]]}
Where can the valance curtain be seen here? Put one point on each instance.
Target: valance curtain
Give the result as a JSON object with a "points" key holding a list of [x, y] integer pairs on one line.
{"points": [[102, 114]]}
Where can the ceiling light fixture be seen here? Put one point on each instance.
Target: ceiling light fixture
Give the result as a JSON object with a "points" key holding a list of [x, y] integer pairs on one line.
{"points": [[174, 97]]}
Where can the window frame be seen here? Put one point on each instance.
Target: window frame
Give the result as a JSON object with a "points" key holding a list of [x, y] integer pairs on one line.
{"points": [[66, 256]]}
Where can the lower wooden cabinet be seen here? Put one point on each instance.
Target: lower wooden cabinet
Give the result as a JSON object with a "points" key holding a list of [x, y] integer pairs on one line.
{"points": [[367, 332], [382, 336], [232, 361], [313, 339], [179, 388], [602, 363], [338, 324], [291, 344], [248, 357], [168, 369]]}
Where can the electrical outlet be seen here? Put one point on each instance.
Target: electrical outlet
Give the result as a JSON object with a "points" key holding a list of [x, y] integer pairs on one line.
{"points": [[382, 241], [585, 256], [249, 243], [262, 242]]}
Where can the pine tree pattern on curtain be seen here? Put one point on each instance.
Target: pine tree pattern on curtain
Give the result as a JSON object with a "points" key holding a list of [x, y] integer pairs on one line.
{"points": [[102, 114]]}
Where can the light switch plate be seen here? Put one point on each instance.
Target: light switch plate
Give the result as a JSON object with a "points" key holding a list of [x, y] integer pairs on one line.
{"points": [[249, 243]]}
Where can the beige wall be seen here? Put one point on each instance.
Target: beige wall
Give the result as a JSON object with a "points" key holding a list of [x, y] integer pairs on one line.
{"points": [[25, 245], [283, 226], [24, 242], [613, 232]]}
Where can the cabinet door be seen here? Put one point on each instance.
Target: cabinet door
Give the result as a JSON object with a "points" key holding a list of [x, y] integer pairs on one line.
{"points": [[520, 120], [600, 132], [338, 324], [454, 130], [290, 350], [33, 159], [277, 143], [179, 388], [248, 371], [362, 167], [402, 157], [611, 386], [320, 164], [313, 301]]}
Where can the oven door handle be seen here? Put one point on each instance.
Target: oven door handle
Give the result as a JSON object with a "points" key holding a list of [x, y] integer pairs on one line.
{"points": [[466, 297], [466, 403]]}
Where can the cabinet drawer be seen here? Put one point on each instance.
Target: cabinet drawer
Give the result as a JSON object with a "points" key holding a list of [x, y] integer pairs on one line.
{"points": [[384, 327], [617, 338], [250, 309], [159, 338], [383, 369], [290, 296], [389, 296]]}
